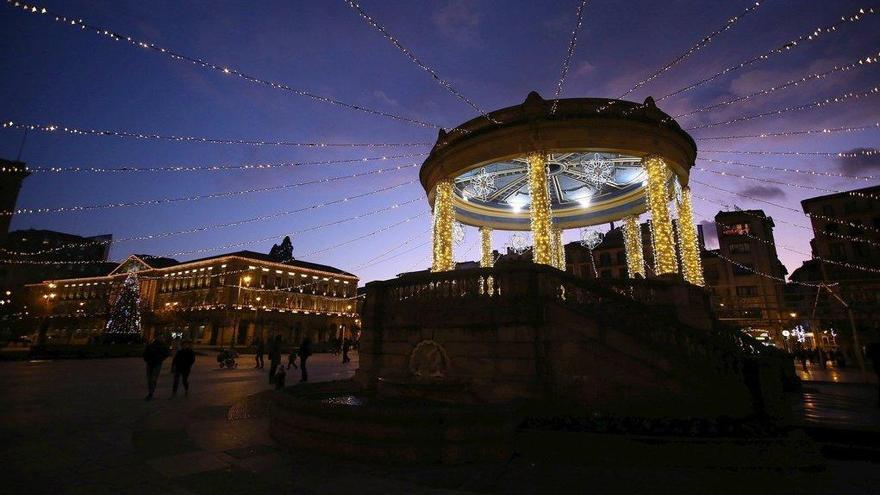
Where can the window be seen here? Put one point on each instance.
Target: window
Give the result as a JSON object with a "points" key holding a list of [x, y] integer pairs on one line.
{"points": [[838, 251], [745, 269], [621, 258], [736, 229], [740, 248], [605, 259], [832, 227], [747, 290], [828, 210]]}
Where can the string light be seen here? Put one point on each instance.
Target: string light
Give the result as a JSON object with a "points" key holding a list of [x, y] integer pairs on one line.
{"points": [[664, 242], [632, 243], [694, 49], [161, 201], [788, 84], [485, 247], [372, 261], [784, 48], [197, 62], [566, 63], [794, 133], [765, 275], [539, 210], [558, 249], [444, 216], [203, 228], [794, 170], [837, 154], [369, 234], [410, 55], [794, 108], [691, 267], [51, 128], [201, 168], [789, 184]]}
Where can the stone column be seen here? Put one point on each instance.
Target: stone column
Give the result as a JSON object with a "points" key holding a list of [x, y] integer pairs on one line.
{"points": [[444, 216], [485, 247], [539, 210], [558, 249], [688, 245], [632, 243], [658, 203]]}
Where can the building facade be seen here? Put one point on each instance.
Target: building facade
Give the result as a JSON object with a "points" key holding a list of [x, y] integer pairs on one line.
{"points": [[228, 300]]}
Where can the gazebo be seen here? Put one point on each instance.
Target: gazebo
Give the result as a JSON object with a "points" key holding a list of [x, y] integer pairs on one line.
{"points": [[549, 165]]}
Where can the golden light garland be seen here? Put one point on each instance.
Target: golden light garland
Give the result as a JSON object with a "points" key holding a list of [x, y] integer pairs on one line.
{"points": [[632, 243], [691, 267], [485, 247], [560, 248], [539, 210], [83, 26], [820, 173], [804, 132], [704, 41], [781, 49], [657, 195], [857, 194], [836, 154], [444, 216]]}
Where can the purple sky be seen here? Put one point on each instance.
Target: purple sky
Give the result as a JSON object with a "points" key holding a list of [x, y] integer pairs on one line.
{"points": [[493, 52]]}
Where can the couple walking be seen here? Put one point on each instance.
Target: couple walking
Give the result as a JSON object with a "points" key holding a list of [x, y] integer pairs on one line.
{"points": [[276, 370], [156, 353]]}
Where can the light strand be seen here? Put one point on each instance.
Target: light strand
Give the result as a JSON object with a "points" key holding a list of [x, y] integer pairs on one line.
{"points": [[226, 70], [411, 56], [369, 234], [442, 258], [52, 128], [566, 62], [540, 212], [784, 48], [857, 194], [227, 194], [200, 168], [836, 154], [691, 267], [370, 262], [765, 275], [794, 170], [793, 108], [665, 261], [706, 40], [632, 243], [806, 132]]}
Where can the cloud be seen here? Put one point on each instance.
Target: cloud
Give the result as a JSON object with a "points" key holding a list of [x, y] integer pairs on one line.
{"points": [[763, 192], [384, 98], [457, 20], [859, 164]]}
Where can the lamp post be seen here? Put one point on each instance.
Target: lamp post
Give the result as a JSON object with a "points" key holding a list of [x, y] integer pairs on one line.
{"points": [[246, 280], [257, 316]]}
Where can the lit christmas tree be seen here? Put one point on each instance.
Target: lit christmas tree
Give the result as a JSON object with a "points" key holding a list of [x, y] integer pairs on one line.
{"points": [[125, 316]]}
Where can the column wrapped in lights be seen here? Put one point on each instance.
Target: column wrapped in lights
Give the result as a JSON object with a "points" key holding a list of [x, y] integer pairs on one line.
{"points": [[632, 243], [541, 221], [691, 267], [485, 247], [658, 203], [444, 216], [558, 249]]}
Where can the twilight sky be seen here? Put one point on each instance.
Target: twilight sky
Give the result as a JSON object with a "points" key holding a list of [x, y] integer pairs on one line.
{"points": [[494, 52]]}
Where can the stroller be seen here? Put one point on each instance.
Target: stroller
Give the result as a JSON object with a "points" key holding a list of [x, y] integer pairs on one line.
{"points": [[226, 359]]}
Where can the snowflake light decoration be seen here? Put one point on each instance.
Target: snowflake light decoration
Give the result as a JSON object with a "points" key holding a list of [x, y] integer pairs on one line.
{"points": [[598, 171], [590, 238], [457, 233], [519, 243], [483, 184]]}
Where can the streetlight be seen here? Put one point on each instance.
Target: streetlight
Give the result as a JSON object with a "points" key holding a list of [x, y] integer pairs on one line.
{"points": [[246, 280], [257, 316]]}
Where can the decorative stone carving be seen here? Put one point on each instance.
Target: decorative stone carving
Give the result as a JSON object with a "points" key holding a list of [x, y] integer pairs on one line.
{"points": [[429, 360]]}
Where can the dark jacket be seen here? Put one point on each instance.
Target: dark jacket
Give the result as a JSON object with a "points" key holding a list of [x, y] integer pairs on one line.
{"points": [[183, 360], [155, 353], [305, 349]]}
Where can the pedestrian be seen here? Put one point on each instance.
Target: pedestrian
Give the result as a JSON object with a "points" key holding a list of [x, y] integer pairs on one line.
{"points": [[259, 350], [873, 353], [274, 357], [291, 359], [181, 365], [280, 376], [802, 357], [154, 354], [841, 359], [305, 350], [346, 344]]}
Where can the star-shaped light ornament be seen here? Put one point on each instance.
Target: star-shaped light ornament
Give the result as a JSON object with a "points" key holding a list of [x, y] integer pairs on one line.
{"points": [[598, 171], [518, 243], [483, 184], [590, 238], [457, 233]]}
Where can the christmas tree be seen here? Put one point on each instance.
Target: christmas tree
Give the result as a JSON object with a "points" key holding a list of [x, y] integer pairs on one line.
{"points": [[125, 315]]}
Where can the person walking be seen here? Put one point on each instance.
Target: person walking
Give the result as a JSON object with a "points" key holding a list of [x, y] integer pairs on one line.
{"points": [[346, 344], [291, 359], [259, 350], [154, 354], [305, 350], [274, 357], [181, 365]]}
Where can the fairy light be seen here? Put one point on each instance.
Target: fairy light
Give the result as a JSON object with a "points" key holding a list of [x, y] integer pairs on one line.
{"points": [[656, 192], [794, 108], [539, 210], [805, 132], [558, 249], [227, 194], [819, 173], [765, 275], [782, 49], [691, 266], [836, 154], [53, 128], [706, 40], [566, 63], [857, 194], [204, 228], [444, 216], [202, 64], [632, 243], [486, 247], [202, 168], [411, 56], [373, 261], [794, 82]]}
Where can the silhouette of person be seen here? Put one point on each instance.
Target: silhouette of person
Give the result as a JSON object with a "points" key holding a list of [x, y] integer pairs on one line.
{"points": [[154, 354], [181, 365], [274, 357], [305, 350]]}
